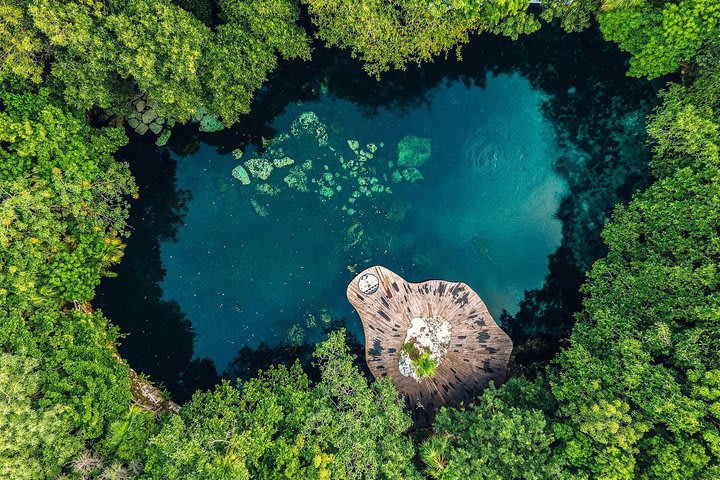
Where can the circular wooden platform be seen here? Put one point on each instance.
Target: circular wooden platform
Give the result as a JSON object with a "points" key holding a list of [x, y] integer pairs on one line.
{"points": [[479, 350]]}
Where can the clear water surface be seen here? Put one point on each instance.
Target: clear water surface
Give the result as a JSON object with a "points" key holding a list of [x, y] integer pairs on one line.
{"points": [[531, 146], [484, 213]]}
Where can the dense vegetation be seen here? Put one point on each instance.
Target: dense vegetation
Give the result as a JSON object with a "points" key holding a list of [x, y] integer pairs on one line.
{"points": [[636, 393]]}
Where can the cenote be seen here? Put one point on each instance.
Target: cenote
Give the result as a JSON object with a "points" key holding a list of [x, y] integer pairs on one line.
{"points": [[219, 276]]}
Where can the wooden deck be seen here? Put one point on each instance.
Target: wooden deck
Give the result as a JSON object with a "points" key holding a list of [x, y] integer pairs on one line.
{"points": [[479, 350]]}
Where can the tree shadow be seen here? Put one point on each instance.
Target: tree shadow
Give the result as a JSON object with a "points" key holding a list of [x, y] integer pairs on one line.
{"points": [[158, 337]]}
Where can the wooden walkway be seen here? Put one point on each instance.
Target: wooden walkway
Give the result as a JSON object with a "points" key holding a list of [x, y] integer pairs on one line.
{"points": [[479, 350]]}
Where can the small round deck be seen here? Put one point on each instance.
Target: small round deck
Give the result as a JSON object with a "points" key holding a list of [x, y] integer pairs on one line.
{"points": [[479, 350]]}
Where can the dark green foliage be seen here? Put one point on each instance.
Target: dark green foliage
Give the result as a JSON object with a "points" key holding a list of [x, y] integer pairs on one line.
{"points": [[62, 217], [245, 48], [280, 426], [492, 439], [391, 34], [574, 16], [660, 35], [150, 46], [62, 211], [639, 384]]}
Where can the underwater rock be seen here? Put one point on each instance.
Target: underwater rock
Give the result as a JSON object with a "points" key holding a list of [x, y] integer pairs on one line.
{"points": [[354, 234], [199, 114], [133, 122], [295, 336], [310, 320], [141, 129], [259, 168], [413, 151], [259, 209], [297, 179], [155, 128], [398, 209], [283, 162], [163, 138], [241, 174], [211, 123], [237, 154], [364, 156], [148, 116], [140, 105], [412, 174], [267, 189], [309, 123], [326, 192]]}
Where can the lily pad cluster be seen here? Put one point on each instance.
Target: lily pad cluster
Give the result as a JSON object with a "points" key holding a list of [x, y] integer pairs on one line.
{"points": [[344, 173]]}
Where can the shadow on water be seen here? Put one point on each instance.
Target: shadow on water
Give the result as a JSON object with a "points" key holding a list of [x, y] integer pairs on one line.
{"points": [[598, 116], [159, 340]]}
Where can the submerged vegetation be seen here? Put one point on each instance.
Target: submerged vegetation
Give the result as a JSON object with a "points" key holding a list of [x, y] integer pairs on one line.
{"points": [[634, 394]]}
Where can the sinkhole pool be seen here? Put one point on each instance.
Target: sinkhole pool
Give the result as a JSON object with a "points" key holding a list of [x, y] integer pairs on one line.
{"points": [[249, 263], [248, 237]]}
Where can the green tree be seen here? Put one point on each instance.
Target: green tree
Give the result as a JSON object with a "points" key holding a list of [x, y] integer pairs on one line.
{"points": [[574, 15], [100, 52], [103, 53], [63, 206], [660, 35], [638, 387], [392, 33], [21, 50], [31, 439], [62, 216], [492, 439], [279, 426], [245, 49]]}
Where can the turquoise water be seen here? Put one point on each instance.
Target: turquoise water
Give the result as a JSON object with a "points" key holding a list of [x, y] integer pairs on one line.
{"points": [[483, 213], [531, 147]]}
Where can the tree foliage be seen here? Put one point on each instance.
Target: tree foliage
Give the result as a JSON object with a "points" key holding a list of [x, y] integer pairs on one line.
{"points": [[493, 439], [280, 426], [390, 34], [660, 35], [63, 210], [62, 216], [102, 53], [29, 437], [639, 388]]}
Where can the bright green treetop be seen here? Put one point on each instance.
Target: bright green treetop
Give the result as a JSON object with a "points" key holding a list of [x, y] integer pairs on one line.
{"points": [[660, 35], [63, 209], [389, 34], [640, 383]]}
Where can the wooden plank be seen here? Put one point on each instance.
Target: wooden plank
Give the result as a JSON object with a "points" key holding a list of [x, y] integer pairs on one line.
{"points": [[479, 350]]}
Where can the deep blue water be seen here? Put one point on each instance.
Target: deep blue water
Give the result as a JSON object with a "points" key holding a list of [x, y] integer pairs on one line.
{"points": [[531, 146]]}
